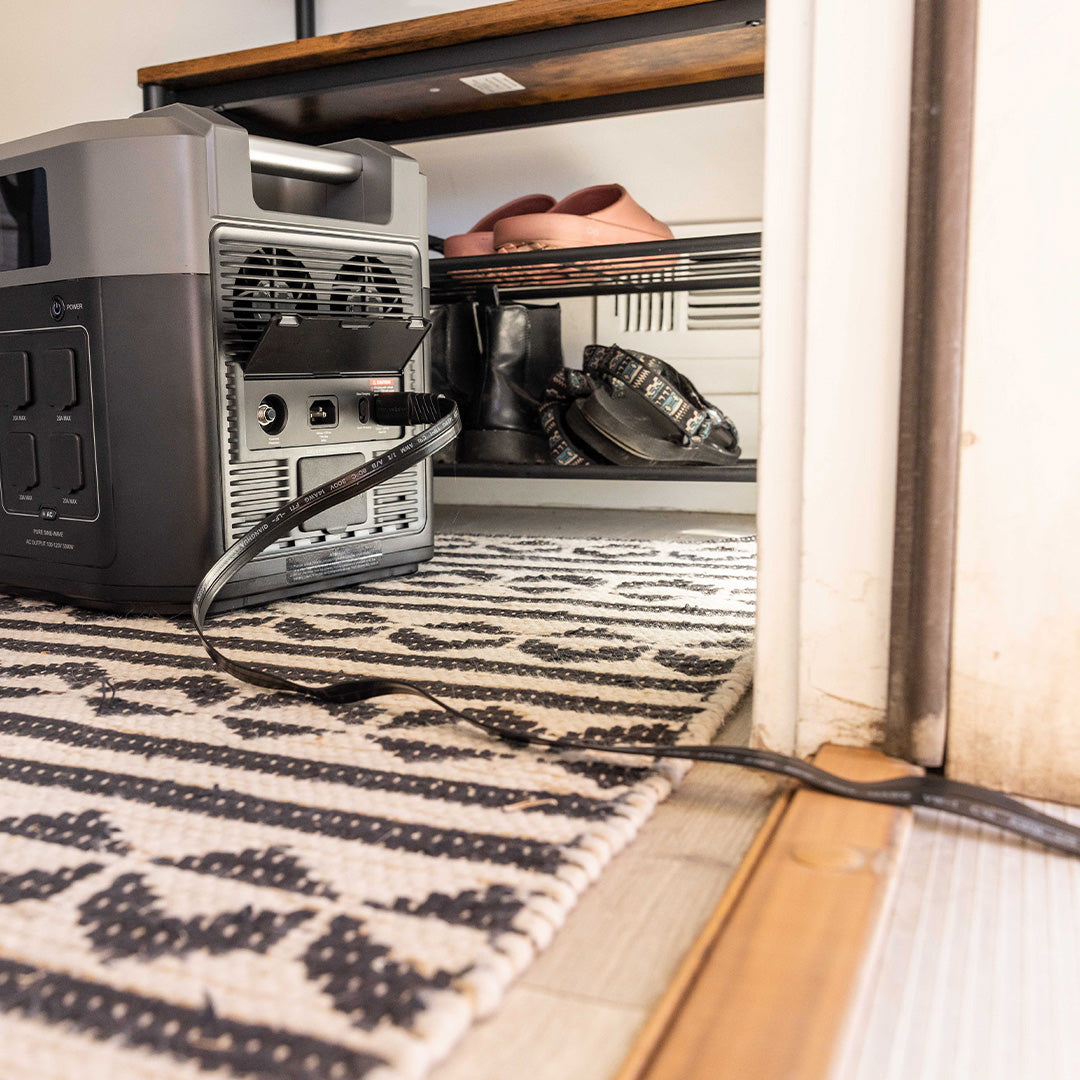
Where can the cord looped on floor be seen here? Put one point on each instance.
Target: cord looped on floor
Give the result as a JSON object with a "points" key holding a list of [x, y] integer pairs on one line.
{"points": [[934, 792]]}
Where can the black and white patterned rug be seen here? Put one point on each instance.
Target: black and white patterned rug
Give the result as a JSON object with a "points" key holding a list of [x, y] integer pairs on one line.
{"points": [[200, 877]]}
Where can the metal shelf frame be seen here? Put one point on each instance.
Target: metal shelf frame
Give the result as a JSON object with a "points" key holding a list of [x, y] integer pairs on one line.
{"points": [[738, 472], [694, 263]]}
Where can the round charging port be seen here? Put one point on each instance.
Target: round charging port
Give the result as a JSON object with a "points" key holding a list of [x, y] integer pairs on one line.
{"points": [[272, 414]]}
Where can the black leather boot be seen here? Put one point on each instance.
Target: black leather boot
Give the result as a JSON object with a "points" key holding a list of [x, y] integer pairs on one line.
{"points": [[522, 350], [457, 363]]}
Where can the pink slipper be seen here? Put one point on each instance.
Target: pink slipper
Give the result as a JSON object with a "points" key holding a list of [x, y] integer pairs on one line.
{"points": [[604, 214], [479, 239]]}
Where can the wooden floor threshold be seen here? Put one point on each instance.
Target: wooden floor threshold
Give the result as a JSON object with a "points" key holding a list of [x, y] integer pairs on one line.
{"points": [[765, 990]]}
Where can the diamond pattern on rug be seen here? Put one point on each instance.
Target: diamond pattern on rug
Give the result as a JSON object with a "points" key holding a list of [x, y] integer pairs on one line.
{"points": [[196, 875]]}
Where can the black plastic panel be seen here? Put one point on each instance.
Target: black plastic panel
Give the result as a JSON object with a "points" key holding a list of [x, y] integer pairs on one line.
{"points": [[324, 345], [61, 522], [47, 447]]}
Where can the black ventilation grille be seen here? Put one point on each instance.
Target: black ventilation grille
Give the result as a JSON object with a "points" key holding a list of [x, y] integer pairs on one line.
{"points": [[255, 490], [396, 503], [257, 279]]}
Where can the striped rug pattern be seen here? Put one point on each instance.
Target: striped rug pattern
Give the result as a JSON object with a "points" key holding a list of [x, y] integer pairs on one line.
{"points": [[199, 878]]}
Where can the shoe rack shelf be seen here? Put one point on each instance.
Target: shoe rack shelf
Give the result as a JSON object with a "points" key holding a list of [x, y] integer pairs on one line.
{"points": [[697, 263], [738, 472], [572, 59]]}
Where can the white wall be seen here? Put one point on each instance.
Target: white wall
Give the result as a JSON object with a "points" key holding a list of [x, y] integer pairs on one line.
{"points": [[835, 219], [684, 165], [789, 73], [1014, 711], [854, 329], [65, 62]]}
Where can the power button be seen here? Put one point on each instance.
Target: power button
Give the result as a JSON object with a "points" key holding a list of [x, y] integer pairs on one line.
{"points": [[58, 308]]}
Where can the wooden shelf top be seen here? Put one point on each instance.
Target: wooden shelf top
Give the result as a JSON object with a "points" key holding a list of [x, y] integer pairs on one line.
{"points": [[571, 58], [412, 35]]}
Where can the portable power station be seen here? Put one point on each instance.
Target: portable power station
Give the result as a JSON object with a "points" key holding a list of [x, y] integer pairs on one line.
{"points": [[193, 324]]}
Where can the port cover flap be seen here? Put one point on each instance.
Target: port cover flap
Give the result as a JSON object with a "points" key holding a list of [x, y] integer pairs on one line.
{"points": [[331, 345]]}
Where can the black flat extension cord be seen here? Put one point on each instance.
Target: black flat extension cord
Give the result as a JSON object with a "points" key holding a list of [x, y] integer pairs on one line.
{"points": [[441, 414]]}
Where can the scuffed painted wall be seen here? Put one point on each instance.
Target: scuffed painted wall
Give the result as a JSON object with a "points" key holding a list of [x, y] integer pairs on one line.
{"points": [[1014, 716], [836, 553]]}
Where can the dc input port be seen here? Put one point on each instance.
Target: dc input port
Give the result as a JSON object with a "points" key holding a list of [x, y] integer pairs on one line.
{"points": [[272, 414]]}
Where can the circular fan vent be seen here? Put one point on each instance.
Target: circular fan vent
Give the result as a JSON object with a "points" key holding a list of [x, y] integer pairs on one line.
{"points": [[271, 281], [365, 285]]}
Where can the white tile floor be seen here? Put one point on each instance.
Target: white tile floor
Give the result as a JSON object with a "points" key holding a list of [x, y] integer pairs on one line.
{"points": [[976, 972]]}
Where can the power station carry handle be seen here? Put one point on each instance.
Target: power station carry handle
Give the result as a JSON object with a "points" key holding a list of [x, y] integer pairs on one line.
{"points": [[278, 158]]}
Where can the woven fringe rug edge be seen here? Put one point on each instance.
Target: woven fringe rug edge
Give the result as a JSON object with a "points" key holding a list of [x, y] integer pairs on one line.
{"points": [[487, 984]]}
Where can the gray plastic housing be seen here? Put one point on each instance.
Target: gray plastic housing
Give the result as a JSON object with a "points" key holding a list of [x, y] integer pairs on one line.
{"points": [[140, 196], [134, 209]]}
